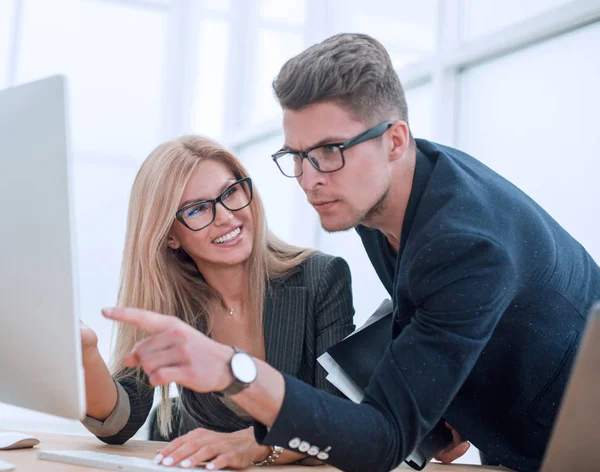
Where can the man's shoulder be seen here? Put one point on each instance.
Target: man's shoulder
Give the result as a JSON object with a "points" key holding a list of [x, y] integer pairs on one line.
{"points": [[431, 148], [463, 194]]}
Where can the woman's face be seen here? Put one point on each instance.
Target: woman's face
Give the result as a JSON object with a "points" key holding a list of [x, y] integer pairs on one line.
{"points": [[228, 239]]}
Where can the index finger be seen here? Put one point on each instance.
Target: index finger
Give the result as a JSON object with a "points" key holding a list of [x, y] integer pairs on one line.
{"points": [[147, 320]]}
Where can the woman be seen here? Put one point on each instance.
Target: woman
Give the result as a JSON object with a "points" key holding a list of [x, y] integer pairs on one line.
{"points": [[197, 247]]}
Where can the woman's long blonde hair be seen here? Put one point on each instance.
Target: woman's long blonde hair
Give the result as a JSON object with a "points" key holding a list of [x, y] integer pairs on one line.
{"points": [[156, 278]]}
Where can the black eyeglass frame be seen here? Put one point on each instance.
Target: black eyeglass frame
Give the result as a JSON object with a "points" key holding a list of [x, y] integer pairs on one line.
{"points": [[214, 201], [371, 133]]}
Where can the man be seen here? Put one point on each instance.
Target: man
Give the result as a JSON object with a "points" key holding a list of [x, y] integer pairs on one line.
{"points": [[490, 294]]}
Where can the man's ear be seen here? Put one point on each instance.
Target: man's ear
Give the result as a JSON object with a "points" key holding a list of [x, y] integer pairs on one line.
{"points": [[400, 139]]}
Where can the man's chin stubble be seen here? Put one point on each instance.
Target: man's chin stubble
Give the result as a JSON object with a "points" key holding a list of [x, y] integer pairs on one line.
{"points": [[341, 226], [376, 210], [364, 219]]}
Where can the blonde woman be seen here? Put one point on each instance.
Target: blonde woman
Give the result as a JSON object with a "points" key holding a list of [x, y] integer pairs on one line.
{"points": [[197, 247]]}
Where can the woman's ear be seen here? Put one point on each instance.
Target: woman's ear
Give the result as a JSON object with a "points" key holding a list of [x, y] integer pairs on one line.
{"points": [[173, 243]]}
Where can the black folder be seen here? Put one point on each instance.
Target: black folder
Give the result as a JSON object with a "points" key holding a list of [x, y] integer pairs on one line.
{"points": [[359, 353]]}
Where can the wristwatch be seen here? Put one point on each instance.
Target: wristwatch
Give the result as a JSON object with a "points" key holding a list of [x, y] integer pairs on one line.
{"points": [[272, 457], [244, 371]]}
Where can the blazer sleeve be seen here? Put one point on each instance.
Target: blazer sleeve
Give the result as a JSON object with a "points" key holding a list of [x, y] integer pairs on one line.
{"points": [[334, 313], [463, 284], [134, 401]]}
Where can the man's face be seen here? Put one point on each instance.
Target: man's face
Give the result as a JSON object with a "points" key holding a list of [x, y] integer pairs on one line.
{"points": [[348, 197]]}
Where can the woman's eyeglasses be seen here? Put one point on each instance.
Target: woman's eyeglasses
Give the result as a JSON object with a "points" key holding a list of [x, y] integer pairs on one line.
{"points": [[199, 215]]}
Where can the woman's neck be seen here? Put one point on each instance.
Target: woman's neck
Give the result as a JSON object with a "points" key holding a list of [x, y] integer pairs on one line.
{"points": [[230, 282]]}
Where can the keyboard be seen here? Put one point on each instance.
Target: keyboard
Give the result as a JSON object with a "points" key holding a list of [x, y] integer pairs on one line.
{"points": [[106, 461]]}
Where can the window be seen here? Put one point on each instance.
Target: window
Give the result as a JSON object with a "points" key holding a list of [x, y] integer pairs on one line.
{"points": [[367, 289], [217, 5], [115, 79], [208, 106], [291, 12], [288, 214], [420, 110], [535, 123], [406, 28], [482, 17], [7, 8], [274, 48]]}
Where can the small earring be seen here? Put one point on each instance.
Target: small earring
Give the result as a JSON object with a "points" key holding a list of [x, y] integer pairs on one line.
{"points": [[171, 245]]}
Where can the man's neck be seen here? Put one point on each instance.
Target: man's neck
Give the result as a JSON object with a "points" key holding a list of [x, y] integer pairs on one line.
{"points": [[391, 217]]}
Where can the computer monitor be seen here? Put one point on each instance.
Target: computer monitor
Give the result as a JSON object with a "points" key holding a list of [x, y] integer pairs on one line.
{"points": [[40, 345]]}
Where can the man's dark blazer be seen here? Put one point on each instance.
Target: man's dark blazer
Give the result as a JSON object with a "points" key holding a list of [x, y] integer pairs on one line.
{"points": [[490, 295]]}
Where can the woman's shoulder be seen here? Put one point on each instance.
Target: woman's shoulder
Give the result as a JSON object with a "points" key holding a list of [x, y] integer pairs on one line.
{"points": [[321, 260], [319, 265], [314, 268]]}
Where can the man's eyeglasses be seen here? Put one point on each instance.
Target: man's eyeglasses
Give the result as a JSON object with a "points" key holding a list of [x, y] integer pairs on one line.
{"points": [[326, 157], [199, 215]]}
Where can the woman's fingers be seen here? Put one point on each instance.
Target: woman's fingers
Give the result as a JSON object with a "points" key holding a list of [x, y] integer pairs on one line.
{"points": [[205, 454], [88, 336], [195, 436], [201, 446], [183, 454], [232, 459]]}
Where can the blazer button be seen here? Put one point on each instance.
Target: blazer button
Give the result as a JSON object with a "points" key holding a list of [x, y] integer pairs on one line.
{"points": [[294, 443], [304, 446], [313, 451], [323, 456]]}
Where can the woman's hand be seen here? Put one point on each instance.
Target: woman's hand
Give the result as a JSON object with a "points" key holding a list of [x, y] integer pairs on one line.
{"points": [[100, 389], [457, 448], [89, 339], [235, 450], [175, 352]]}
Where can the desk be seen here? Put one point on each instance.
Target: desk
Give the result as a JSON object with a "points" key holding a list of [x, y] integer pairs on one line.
{"points": [[25, 460]]}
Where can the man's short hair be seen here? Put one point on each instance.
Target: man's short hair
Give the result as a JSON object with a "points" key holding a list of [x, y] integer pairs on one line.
{"points": [[354, 70]]}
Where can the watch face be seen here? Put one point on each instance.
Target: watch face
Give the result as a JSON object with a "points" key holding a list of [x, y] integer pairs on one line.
{"points": [[243, 367]]}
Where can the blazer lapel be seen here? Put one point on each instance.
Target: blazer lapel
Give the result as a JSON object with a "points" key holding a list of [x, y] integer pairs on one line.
{"points": [[284, 325]]}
